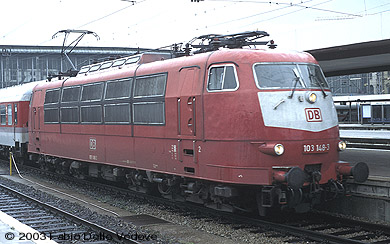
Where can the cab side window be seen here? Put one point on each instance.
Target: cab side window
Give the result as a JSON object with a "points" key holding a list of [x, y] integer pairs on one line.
{"points": [[222, 78]]}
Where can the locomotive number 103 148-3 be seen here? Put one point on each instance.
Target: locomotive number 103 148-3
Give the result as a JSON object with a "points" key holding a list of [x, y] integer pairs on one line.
{"points": [[316, 148]]}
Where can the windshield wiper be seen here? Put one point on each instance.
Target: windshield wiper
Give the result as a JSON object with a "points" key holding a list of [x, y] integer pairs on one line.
{"points": [[318, 82], [297, 78]]}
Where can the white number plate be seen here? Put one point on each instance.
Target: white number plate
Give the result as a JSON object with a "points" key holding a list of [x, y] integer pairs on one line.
{"points": [[316, 148]]}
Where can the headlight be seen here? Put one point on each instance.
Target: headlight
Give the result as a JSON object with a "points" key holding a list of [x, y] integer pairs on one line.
{"points": [[311, 97], [279, 149], [342, 145]]}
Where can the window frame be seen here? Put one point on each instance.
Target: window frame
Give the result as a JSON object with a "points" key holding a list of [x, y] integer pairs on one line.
{"points": [[10, 114], [89, 122], [146, 123], [223, 65], [117, 122], [3, 106], [92, 84], [118, 80], [70, 107], [305, 87], [130, 60], [58, 115], [118, 62], [50, 90], [106, 65], [84, 69], [137, 78], [70, 87], [94, 68]]}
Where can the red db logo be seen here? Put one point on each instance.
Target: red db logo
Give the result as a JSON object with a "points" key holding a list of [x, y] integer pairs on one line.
{"points": [[313, 115]]}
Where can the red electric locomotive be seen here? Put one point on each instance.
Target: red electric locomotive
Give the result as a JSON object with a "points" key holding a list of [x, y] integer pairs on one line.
{"points": [[229, 128]]}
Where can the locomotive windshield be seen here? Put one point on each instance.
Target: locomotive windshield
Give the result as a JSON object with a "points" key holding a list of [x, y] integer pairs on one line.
{"points": [[285, 75]]}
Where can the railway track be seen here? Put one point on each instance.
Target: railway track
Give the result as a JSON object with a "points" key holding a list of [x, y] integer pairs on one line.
{"points": [[311, 228], [54, 223]]}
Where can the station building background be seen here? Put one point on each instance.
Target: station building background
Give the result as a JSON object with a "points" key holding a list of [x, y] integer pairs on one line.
{"points": [[22, 64]]}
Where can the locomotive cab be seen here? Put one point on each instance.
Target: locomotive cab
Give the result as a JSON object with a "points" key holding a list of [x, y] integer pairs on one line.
{"points": [[270, 121]]}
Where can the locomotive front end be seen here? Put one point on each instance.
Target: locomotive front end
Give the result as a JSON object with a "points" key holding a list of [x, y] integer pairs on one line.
{"points": [[302, 137]]}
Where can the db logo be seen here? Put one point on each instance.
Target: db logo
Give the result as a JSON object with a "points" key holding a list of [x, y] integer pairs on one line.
{"points": [[92, 143], [313, 115]]}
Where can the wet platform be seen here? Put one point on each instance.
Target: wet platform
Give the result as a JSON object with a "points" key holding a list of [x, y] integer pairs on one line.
{"points": [[14, 232]]}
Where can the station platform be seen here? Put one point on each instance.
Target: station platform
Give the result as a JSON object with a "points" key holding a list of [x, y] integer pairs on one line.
{"points": [[14, 232], [365, 134]]}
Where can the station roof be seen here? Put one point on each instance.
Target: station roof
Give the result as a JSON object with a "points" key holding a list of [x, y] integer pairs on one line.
{"points": [[6, 50], [356, 58]]}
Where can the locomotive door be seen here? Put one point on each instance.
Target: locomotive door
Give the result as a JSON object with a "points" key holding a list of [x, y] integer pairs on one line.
{"points": [[35, 120], [189, 90], [187, 102]]}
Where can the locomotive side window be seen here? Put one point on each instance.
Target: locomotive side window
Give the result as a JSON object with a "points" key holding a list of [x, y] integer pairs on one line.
{"points": [[91, 114], [149, 113], [92, 92], [150, 86], [149, 104], [118, 89], [70, 94], [2, 114], [69, 114], [117, 113], [52, 96], [51, 115], [222, 78], [51, 112]]}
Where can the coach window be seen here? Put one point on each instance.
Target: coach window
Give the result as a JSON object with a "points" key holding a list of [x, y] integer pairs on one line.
{"points": [[52, 96], [2, 115], [70, 94], [9, 112], [222, 78], [117, 113], [92, 92], [16, 114], [91, 114], [118, 89]]}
